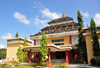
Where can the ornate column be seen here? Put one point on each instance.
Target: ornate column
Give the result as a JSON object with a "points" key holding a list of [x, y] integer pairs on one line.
{"points": [[66, 57], [38, 58], [49, 58], [33, 57], [29, 57]]}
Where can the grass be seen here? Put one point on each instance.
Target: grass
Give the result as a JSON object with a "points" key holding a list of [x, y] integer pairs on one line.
{"points": [[26, 66]]}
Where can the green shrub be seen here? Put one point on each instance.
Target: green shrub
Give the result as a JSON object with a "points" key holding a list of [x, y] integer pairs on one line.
{"points": [[75, 61], [93, 61], [44, 63], [32, 64], [6, 66], [27, 59], [64, 66], [98, 62]]}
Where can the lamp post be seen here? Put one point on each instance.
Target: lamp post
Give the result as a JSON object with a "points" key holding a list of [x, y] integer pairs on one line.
{"points": [[0, 63], [7, 58], [13, 61], [46, 57]]}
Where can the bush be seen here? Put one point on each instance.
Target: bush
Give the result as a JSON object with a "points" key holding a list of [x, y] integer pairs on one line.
{"points": [[44, 63], [93, 61], [6, 66], [98, 62], [64, 66], [32, 64], [75, 61]]}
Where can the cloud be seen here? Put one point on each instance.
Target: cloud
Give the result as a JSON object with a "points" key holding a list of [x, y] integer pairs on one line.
{"points": [[34, 7], [21, 18], [35, 2], [2, 46], [97, 18], [40, 23], [9, 35], [86, 14], [53, 15]]}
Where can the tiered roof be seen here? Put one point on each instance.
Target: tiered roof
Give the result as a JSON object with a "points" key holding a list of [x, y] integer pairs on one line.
{"points": [[62, 27]]}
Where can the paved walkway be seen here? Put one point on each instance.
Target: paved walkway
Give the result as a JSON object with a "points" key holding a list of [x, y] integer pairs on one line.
{"points": [[80, 66]]}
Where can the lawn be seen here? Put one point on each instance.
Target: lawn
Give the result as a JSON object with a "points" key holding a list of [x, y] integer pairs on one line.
{"points": [[26, 66]]}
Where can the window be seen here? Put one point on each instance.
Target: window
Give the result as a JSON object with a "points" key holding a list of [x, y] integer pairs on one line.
{"points": [[59, 44], [58, 40]]}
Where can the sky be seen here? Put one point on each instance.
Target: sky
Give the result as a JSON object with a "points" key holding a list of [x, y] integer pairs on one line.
{"points": [[30, 16]]}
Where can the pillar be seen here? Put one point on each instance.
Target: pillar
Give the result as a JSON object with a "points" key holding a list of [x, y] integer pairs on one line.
{"points": [[70, 40], [34, 42], [33, 57], [38, 58], [34, 52], [29, 57], [49, 58], [69, 58], [67, 62]]}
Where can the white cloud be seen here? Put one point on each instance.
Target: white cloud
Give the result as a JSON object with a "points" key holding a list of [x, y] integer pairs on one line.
{"points": [[34, 7], [2, 46], [40, 23], [21, 18], [9, 35], [85, 14], [97, 18], [35, 2], [46, 13], [37, 16]]}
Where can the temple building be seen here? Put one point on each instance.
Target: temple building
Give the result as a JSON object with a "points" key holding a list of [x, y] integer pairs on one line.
{"points": [[62, 36]]}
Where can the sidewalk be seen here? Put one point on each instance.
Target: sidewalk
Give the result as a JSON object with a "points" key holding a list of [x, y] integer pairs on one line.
{"points": [[80, 66]]}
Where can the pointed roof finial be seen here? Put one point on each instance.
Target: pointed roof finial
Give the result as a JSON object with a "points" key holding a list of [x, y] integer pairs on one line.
{"points": [[64, 15], [87, 25]]}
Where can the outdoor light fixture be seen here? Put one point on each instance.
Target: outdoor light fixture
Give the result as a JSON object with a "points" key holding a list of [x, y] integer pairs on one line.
{"points": [[46, 57], [13, 61], [13, 57]]}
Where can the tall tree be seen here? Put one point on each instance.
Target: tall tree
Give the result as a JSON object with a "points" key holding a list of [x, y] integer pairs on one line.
{"points": [[20, 54], [81, 46], [25, 41], [25, 52], [16, 35], [2, 53], [43, 49], [95, 38]]}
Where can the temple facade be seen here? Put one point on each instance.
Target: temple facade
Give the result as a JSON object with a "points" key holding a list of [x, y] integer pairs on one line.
{"points": [[62, 36]]}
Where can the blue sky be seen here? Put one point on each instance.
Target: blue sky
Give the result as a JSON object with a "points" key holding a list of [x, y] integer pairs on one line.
{"points": [[30, 16]]}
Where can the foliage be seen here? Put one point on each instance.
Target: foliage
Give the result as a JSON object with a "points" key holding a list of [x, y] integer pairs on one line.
{"points": [[81, 46], [75, 61], [95, 38], [33, 64], [16, 35], [6, 66], [20, 54], [25, 52], [64, 66], [43, 50], [2, 53], [93, 61], [98, 62], [25, 41], [25, 55], [15, 62]]}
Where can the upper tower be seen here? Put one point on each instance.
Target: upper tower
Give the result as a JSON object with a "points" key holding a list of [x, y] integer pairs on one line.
{"points": [[64, 15]]}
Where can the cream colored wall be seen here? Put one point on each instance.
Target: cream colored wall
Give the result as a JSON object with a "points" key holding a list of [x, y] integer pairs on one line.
{"points": [[66, 40], [89, 46], [11, 51]]}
